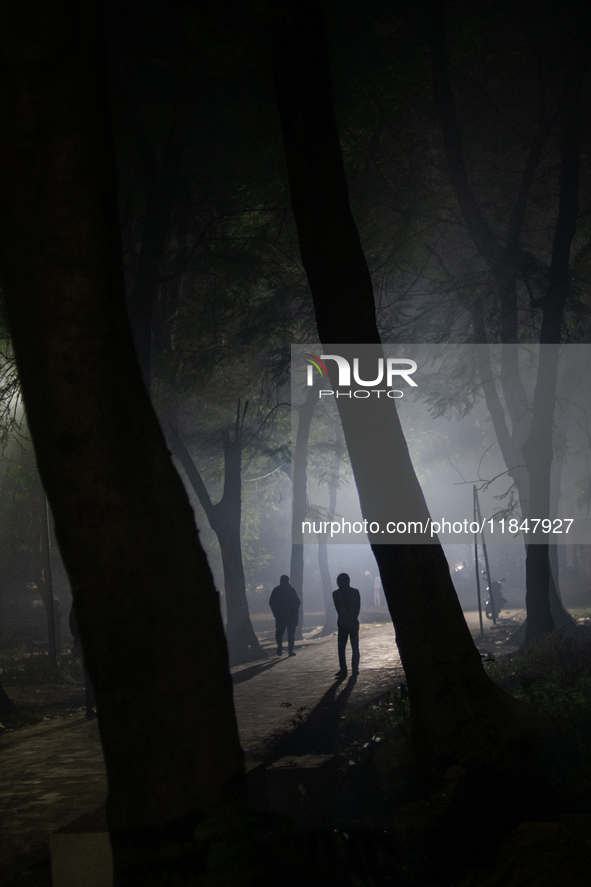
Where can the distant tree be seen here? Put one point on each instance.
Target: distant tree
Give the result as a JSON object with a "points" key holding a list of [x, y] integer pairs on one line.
{"points": [[10, 406], [530, 438], [25, 554], [20, 490], [299, 507], [225, 520], [332, 482]]}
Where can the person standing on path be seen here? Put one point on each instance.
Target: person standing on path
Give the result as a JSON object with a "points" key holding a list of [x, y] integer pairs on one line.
{"points": [[285, 603], [347, 603]]}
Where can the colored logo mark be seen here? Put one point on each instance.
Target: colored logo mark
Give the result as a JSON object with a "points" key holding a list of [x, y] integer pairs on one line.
{"points": [[315, 361]]}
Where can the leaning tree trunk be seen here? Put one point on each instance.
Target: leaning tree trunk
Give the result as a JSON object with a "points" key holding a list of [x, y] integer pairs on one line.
{"points": [[456, 709], [145, 600], [161, 188], [243, 644]]}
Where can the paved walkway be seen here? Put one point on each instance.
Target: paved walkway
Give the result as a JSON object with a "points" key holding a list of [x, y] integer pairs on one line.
{"points": [[54, 772], [304, 680], [51, 774]]}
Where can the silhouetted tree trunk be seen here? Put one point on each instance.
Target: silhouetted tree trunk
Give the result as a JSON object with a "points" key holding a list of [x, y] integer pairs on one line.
{"points": [[330, 617], [330, 614], [456, 709], [510, 443], [299, 508], [145, 601], [508, 262], [537, 449], [225, 518]]}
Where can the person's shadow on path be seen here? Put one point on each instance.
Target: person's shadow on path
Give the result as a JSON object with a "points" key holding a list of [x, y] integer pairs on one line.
{"points": [[252, 671], [318, 733]]}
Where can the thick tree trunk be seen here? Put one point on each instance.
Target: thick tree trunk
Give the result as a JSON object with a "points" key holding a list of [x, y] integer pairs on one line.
{"points": [[146, 605], [456, 709], [161, 190]]}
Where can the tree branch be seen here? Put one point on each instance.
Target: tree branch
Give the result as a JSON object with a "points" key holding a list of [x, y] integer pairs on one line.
{"points": [[194, 477]]}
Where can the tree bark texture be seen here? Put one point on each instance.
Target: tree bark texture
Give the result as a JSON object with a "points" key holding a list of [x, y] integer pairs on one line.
{"points": [[456, 709], [145, 600]]}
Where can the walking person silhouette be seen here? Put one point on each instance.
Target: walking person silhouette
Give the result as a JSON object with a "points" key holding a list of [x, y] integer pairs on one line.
{"points": [[347, 603], [285, 603]]}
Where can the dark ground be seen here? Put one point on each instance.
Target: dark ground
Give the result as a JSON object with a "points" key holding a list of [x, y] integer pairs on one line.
{"points": [[392, 825]]}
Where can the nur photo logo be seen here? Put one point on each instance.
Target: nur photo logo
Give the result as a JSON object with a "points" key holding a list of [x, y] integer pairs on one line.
{"points": [[387, 371]]}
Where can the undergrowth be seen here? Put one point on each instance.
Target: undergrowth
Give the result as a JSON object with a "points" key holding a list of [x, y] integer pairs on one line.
{"points": [[17, 668], [389, 713], [554, 678]]}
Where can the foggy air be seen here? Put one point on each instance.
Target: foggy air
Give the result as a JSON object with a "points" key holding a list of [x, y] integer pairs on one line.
{"points": [[295, 499]]}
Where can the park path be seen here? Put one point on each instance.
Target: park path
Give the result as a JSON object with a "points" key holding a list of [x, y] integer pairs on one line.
{"points": [[54, 772], [304, 680], [50, 774]]}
